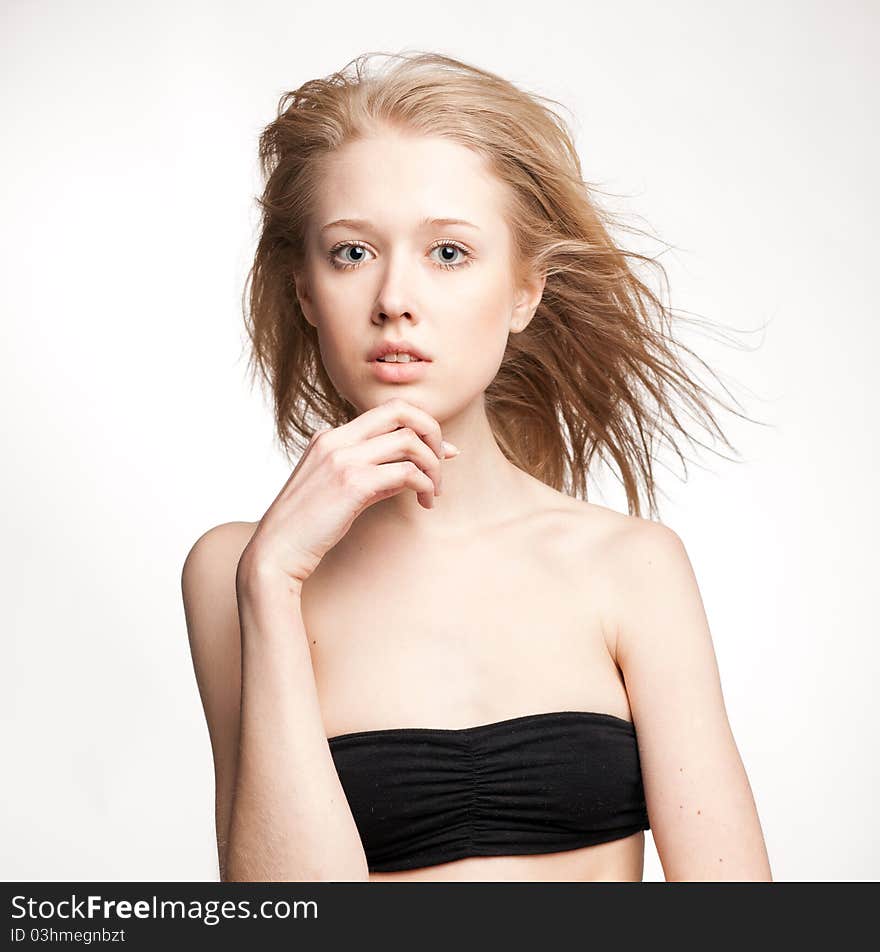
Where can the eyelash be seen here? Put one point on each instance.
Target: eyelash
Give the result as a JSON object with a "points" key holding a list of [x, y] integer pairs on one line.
{"points": [[350, 265]]}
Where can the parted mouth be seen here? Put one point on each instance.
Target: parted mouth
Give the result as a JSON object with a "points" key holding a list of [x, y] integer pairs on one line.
{"points": [[399, 351], [399, 359]]}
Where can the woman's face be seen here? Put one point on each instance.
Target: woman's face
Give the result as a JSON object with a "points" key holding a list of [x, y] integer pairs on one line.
{"points": [[395, 275]]}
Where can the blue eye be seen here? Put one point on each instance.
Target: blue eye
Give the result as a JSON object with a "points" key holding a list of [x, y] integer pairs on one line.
{"points": [[353, 247], [361, 249], [455, 247]]}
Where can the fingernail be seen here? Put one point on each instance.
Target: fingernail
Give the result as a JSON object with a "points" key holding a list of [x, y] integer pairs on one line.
{"points": [[450, 449]]}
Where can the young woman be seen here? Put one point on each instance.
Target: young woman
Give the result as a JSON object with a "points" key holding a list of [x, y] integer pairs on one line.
{"points": [[432, 658]]}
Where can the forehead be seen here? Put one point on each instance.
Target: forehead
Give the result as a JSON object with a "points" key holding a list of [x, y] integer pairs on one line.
{"points": [[394, 177]]}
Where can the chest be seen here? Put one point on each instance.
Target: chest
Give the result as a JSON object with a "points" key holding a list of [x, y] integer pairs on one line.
{"points": [[405, 633]]}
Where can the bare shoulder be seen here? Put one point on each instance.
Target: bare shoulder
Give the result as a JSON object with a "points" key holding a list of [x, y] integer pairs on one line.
{"points": [[605, 533], [631, 541], [649, 581], [217, 545], [641, 553], [631, 561], [208, 582]]}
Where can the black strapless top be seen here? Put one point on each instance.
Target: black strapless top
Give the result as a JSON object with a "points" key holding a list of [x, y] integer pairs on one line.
{"points": [[539, 783]]}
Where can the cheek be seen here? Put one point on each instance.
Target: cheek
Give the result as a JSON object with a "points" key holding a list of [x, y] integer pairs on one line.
{"points": [[337, 351], [474, 352], [481, 324], [340, 353]]}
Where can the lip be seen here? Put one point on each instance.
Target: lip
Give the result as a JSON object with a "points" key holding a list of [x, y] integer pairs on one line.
{"points": [[399, 373], [396, 347]]}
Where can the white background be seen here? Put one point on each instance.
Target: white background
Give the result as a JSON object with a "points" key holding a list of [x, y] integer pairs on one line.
{"points": [[745, 135]]}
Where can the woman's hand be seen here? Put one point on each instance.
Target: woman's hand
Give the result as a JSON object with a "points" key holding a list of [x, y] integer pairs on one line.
{"points": [[385, 450]]}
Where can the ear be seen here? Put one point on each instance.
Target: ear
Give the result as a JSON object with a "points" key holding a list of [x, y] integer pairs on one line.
{"points": [[526, 302], [302, 296]]}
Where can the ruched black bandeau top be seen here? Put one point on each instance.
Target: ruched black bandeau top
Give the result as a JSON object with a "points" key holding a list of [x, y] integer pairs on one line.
{"points": [[539, 783]]}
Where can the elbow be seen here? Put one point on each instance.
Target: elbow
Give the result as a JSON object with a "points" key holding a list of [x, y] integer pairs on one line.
{"points": [[300, 876], [717, 869], [356, 875], [353, 870], [348, 872], [719, 859], [251, 862]]}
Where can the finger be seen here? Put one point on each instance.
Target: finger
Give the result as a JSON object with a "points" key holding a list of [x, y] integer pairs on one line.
{"points": [[389, 478], [399, 444], [392, 414]]}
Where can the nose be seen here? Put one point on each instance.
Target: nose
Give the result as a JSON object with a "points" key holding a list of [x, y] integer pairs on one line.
{"points": [[385, 315], [394, 299]]}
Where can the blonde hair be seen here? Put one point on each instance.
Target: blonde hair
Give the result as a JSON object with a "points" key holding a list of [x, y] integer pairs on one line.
{"points": [[597, 373]]}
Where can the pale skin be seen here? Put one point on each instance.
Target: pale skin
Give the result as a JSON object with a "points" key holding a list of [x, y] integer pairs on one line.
{"points": [[499, 597]]}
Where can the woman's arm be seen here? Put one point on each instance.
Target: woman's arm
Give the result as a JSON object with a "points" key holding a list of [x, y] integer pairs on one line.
{"points": [[281, 811], [703, 815]]}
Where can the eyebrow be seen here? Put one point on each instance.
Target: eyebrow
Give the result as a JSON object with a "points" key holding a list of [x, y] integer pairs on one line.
{"points": [[363, 223]]}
